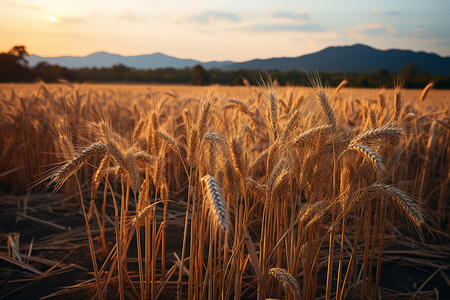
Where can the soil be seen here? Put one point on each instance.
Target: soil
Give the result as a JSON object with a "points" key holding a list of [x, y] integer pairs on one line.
{"points": [[399, 275]]}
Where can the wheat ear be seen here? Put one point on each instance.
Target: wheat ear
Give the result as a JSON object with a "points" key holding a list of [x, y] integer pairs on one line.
{"points": [[193, 143], [132, 170], [239, 105], [169, 140], [373, 117], [72, 166], [290, 125], [217, 204], [397, 103], [205, 116], [405, 201], [144, 160], [280, 185], [215, 137], [272, 113], [237, 156], [377, 133], [327, 109], [340, 86], [432, 135], [254, 186], [381, 102], [370, 154], [345, 182], [310, 134], [426, 90], [96, 179], [287, 280]]}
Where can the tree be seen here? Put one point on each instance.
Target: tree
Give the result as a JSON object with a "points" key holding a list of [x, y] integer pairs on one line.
{"points": [[409, 71], [13, 65], [199, 76], [51, 73], [20, 52]]}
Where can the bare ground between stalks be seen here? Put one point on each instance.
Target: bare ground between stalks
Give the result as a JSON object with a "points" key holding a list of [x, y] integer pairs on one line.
{"points": [[409, 268]]}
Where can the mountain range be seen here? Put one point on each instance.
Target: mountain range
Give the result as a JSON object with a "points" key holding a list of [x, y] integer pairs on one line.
{"points": [[352, 58]]}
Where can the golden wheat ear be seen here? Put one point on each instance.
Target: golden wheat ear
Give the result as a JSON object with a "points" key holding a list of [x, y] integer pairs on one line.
{"points": [[192, 146], [73, 165], [216, 201], [403, 200], [322, 97], [339, 87], [384, 132], [287, 280], [426, 90], [370, 154]]}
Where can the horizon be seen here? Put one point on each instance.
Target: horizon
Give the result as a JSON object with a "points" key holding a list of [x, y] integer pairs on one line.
{"points": [[211, 30], [256, 58]]}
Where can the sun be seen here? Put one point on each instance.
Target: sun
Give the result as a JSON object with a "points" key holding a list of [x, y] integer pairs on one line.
{"points": [[52, 19]]}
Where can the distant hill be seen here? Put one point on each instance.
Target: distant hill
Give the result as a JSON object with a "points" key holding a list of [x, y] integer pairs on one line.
{"points": [[105, 59], [350, 59], [332, 59]]}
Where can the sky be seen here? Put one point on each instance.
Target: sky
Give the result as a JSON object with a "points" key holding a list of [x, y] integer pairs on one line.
{"points": [[222, 30]]}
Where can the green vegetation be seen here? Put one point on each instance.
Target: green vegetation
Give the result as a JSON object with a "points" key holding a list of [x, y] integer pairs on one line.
{"points": [[14, 68]]}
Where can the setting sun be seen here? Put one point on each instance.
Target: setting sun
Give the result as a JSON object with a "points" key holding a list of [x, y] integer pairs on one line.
{"points": [[52, 19]]}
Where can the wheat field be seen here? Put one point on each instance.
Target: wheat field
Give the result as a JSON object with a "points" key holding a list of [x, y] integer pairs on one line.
{"points": [[255, 192]]}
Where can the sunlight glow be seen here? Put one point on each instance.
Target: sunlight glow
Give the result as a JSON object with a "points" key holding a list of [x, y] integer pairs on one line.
{"points": [[211, 30]]}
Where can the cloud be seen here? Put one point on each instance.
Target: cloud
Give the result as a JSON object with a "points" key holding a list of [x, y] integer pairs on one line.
{"points": [[415, 32], [205, 17], [74, 20], [129, 16], [19, 5], [290, 15], [276, 27], [373, 29], [385, 12]]}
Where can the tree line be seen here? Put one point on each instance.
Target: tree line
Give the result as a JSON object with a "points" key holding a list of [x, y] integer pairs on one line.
{"points": [[14, 68]]}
